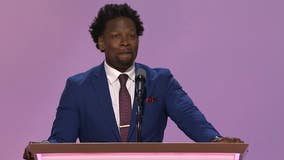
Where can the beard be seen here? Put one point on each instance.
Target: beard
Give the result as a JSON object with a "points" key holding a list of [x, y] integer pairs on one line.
{"points": [[121, 62]]}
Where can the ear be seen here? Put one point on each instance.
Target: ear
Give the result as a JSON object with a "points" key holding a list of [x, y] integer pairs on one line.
{"points": [[101, 43]]}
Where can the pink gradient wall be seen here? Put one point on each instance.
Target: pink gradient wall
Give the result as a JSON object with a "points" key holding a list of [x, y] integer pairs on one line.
{"points": [[228, 55]]}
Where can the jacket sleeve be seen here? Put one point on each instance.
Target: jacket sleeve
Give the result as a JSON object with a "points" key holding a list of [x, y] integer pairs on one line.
{"points": [[186, 115], [66, 124]]}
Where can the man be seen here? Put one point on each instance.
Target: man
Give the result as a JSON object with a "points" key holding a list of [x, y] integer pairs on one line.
{"points": [[89, 108], [99, 105]]}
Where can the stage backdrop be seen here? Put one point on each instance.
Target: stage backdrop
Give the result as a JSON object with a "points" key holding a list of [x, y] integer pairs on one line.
{"points": [[228, 56]]}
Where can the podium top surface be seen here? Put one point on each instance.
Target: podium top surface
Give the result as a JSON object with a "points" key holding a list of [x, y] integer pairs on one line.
{"points": [[36, 148]]}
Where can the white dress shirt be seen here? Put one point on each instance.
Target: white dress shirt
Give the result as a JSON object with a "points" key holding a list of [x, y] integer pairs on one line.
{"points": [[114, 86]]}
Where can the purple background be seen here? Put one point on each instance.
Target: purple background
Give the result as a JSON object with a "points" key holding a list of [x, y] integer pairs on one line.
{"points": [[226, 54]]}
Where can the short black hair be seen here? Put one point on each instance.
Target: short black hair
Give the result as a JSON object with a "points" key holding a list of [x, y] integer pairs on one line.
{"points": [[109, 12]]}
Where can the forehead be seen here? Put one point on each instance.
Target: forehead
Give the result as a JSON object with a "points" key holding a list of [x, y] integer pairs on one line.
{"points": [[120, 24]]}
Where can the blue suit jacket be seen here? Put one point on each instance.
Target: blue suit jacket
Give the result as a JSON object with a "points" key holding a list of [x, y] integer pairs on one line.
{"points": [[85, 110]]}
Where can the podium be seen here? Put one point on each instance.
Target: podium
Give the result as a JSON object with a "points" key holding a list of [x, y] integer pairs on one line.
{"points": [[137, 151]]}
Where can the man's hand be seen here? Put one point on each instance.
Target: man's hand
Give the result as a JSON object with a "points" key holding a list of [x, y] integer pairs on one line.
{"points": [[27, 153], [228, 140]]}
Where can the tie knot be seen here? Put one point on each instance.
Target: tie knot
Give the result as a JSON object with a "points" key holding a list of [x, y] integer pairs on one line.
{"points": [[123, 79]]}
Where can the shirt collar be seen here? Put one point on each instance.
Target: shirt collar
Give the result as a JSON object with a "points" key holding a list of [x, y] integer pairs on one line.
{"points": [[112, 74]]}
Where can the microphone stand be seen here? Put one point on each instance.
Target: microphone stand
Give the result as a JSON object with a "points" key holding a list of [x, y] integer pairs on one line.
{"points": [[139, 118], [139, 93]]}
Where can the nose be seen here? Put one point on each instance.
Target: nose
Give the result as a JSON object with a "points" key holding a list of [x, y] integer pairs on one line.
{"points": [[125, 41]]}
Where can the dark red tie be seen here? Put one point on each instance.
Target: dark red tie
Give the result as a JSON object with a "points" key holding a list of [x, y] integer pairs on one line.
{"points": [[124, 107]]}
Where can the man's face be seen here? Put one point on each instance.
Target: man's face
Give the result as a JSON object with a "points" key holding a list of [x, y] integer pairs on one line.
{"points": [[120, 43]]}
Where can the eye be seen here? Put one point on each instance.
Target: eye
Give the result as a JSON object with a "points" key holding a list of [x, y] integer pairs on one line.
{"points": [[114, 35], [133, 35]]}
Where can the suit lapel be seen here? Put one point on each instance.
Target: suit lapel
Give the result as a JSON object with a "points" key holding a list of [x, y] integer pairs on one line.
{"points": [[100, 84]]}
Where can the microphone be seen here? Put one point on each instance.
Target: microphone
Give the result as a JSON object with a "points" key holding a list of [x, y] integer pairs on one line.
{"points": [[140, 80], [139, 91]]}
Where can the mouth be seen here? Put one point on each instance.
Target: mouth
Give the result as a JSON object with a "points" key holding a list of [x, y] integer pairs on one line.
{"points": [[126, 52]]}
